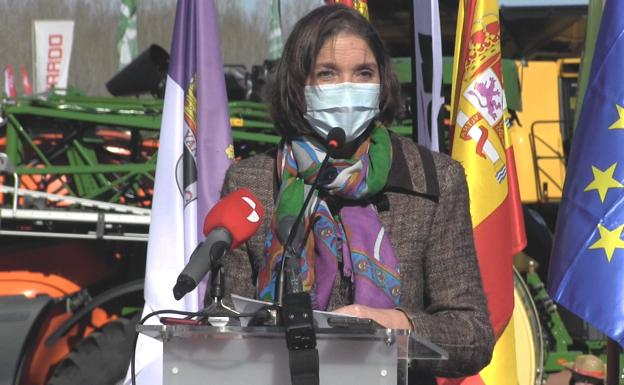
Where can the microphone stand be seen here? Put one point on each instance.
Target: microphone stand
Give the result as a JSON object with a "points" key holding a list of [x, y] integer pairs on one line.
{"points": [[335, 140], [290, 254], [217, 312], [295, 303], [297, 316]]}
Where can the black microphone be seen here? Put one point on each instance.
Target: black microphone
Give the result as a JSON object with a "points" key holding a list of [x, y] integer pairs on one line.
{"points": [[336, 138], [334, 142], [296, 313], [206, 254]]}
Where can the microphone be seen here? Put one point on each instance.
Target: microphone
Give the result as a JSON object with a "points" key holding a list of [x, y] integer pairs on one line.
{"points": [[296, 312], [336, 138], [292, 227], [232, 221]]}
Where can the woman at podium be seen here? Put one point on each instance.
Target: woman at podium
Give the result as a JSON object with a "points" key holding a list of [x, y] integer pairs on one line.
{"points": [[387, 235]]}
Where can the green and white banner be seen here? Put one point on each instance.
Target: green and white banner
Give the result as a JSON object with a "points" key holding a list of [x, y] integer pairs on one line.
{"points": [[127, 44], [275, 31]]}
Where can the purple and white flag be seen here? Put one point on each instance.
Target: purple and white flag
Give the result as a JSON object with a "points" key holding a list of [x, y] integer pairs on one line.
{"points": [[429, 100], [195, 152]]}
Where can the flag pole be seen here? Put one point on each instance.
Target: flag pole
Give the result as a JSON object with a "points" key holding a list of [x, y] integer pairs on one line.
{"points": [[413, 105], [594, 14], [613, 362]]}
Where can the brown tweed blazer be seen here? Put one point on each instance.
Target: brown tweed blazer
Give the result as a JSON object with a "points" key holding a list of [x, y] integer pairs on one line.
{"points": [[429, 226]]}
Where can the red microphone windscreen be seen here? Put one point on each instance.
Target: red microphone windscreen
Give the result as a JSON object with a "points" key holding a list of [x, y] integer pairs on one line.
{"points": [[240, 212]]}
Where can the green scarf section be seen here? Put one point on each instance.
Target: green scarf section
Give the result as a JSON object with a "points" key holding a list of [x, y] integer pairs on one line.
{"points": [[303, 159]]}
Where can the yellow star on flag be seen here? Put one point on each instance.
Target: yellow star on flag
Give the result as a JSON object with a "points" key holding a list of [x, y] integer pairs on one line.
{"points": [[603, 181], [609, 240], [619, 124]]}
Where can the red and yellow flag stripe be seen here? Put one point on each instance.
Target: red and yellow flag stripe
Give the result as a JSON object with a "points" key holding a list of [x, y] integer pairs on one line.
{"points": [[481, 142]]}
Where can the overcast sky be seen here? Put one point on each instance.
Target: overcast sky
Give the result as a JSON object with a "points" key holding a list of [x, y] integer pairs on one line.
{"points": [[94, 55]]}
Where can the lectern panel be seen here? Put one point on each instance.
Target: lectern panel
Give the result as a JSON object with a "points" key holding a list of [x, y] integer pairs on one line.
{"points": [[261, 361], [233, 355]]}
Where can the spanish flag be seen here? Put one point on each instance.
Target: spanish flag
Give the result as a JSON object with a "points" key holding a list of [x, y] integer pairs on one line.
{"points": [[481, 143]]}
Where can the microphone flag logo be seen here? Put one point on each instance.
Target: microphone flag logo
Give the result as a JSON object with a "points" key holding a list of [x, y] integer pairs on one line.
{"points": [[253, 217]]}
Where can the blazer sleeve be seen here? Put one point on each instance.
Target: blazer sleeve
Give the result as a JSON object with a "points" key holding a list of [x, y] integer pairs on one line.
{"points": [[455, 315]]}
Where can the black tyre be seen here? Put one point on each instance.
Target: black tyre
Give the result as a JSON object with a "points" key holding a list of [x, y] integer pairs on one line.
{"points": [[100, 359]]}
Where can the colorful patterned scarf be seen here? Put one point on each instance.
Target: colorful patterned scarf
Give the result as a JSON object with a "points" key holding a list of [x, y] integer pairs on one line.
{"points": [[354, 237]]}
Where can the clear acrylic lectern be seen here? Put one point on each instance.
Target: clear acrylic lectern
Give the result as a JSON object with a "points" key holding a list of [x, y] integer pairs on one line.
{"points": [[232, 355]]}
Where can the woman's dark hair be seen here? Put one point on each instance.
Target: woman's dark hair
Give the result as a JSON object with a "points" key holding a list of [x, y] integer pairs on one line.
{"points": [[285, 88]]}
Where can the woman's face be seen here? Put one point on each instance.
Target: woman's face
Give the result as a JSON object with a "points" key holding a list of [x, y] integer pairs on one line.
{"points": [[344, 58]]}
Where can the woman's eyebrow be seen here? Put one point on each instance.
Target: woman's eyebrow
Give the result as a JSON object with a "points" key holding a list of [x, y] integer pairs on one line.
{"points": [[326, 64], [367, 66]]}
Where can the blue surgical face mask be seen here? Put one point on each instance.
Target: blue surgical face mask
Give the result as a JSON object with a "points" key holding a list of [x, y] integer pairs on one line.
{"points": [[350, 106]]}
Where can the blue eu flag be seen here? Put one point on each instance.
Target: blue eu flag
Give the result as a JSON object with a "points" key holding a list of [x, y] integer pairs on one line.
{"points": [[587, 267]]}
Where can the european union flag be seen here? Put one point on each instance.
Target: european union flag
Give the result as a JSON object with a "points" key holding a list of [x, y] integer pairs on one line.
{"points": [[587, 266]]}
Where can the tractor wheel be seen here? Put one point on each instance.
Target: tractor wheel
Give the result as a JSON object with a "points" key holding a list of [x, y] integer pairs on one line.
{"points": [[102, 358]]}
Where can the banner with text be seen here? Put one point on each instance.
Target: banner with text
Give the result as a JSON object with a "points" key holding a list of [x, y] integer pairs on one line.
{"points": [[52, 45]]}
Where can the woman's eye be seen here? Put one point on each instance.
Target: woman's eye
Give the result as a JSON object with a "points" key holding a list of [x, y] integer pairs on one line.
{"points": [[366, 74], [324, 74]]}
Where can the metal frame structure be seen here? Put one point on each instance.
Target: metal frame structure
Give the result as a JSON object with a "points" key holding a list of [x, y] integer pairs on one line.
{"points": [[85, 166]]}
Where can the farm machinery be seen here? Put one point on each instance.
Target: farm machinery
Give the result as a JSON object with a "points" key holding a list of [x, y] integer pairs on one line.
{"points": [[77, 178]]}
